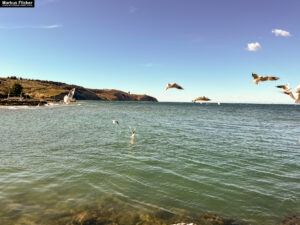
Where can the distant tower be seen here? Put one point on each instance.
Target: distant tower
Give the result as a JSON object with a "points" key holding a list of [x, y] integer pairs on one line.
{"points": [[129, 92]]}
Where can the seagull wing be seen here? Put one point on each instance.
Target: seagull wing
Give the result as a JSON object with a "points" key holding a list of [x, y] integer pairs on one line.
{"points": [[263, 78], [255, 76], [298, 98], [272, 78], [177, 86], [196, 99], [298, 89], [284, 87], [290, 93], [71, 93], [201, 98]]}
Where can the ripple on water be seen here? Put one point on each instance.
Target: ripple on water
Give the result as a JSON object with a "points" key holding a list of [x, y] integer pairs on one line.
{"points": [[187, 157]]}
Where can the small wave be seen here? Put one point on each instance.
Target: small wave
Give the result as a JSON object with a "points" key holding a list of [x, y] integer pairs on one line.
{"points": [[18, 107], [52, 104]]}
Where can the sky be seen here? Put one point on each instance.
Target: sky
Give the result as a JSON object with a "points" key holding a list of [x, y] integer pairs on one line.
{"points": [[210, 47]]}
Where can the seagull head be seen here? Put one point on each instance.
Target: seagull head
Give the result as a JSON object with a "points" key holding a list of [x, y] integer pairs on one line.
{"points": [[167, 87]]}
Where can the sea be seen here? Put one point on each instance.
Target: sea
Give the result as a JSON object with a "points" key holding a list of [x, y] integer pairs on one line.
{"points": [[238, 161]]}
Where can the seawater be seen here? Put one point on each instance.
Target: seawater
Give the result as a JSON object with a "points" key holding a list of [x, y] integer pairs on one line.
{"points": [[240, 161]]}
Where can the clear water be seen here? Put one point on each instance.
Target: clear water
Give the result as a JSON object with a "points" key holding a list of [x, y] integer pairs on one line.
{"points": [[236, 160]]}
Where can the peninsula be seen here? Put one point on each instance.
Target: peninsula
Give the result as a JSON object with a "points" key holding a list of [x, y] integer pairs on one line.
{"points": [[51, 91]]}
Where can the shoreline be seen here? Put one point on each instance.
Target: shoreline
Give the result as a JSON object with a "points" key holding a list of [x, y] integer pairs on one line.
{"points": [[25, 102], [114, 211]]}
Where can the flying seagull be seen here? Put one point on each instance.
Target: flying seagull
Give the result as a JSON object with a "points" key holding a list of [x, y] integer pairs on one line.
{"points": [[173, 85], [201, 98], [115, 122], [288, 91], [258, 78], [69, 98]]}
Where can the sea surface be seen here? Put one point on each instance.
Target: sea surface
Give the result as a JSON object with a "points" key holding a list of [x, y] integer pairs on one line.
{"points": [[240, 161]]}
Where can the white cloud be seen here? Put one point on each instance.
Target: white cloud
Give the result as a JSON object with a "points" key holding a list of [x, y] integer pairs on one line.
{"points": [[282, 33], [53, 26], [253, 47]]}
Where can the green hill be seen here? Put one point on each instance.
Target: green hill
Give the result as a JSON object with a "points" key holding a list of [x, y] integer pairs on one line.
{"points": [[55, 91]]}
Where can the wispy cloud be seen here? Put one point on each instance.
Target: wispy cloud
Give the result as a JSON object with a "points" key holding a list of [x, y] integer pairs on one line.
{"points": [[282, 33], [53, 26], [253, 47], [132, 9]]}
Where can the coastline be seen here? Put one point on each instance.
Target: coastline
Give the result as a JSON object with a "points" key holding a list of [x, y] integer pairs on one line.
{"points": [[114, 210], [25, 102], [53, 91]]}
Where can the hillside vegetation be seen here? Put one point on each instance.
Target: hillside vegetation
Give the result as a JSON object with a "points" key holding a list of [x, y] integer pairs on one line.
{"points": [[55, 91]]}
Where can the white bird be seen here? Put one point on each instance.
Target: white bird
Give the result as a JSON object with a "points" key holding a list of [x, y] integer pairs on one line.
{"points": [[173, 85], [288, 91], [69, 98], [115, 122], [258, 78], [132, 135]]}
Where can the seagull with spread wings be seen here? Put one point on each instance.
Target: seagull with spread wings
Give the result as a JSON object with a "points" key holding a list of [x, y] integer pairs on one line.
{"points": [[69, 98], [258, 78], [173, 85], [201, 98], [288, 91]]}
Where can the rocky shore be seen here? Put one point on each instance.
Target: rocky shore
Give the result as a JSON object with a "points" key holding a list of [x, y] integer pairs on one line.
{"points": [[25, 102], [115, 211], [99, 217], [291, 220], [123, 217]]}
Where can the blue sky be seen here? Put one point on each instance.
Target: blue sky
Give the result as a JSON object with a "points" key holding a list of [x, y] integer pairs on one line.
{"points": [[140, 45]]}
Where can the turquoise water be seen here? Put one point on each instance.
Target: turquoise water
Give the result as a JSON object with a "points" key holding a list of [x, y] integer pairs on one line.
{"points": [[236, 160]]}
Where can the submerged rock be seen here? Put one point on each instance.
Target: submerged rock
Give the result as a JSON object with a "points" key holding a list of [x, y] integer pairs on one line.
{"points": [[124, 217], [118, 211], [212, 219], [291, 220]]}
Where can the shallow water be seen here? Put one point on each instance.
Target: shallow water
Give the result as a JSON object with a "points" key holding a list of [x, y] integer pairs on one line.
{"points": [[236, 160]]}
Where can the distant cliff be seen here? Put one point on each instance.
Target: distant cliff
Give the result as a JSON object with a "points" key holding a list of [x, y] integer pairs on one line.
{"points": [[55, 91]]}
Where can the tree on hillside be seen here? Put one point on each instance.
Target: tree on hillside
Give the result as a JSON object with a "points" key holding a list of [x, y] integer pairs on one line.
{"points": [[16, 89]]}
